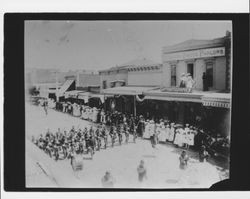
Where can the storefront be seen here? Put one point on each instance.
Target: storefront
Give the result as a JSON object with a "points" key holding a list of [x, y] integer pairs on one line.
{"points": [[198, 57], [211, 111], [124, 98], [217, 110]]}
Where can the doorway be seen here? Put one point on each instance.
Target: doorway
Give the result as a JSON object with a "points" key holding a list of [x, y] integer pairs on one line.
{"points": [[190, 69]]}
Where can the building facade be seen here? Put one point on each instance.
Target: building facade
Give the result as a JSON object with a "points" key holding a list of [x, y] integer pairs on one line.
{"points": [[112, 77], [197, 57]]}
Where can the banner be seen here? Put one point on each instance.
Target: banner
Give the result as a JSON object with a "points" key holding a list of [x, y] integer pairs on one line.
{"points": [[140, 99]]}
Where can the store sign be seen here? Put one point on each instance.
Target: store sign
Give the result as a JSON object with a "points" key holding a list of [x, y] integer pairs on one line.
{"points": [[194, 54]]}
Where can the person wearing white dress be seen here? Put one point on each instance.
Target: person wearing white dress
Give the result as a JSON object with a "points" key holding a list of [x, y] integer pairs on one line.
{"points": [[184, 138], [191, 138], [162, 136], [190, 83], [157, 132], [171, 133], [177, 137], [147, 128], [167, 130], [187, 130]]}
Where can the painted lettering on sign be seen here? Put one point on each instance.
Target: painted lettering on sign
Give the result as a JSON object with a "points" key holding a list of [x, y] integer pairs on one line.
{"points": [[194, 54]]}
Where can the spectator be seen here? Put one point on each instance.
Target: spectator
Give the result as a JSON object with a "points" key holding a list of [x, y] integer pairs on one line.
{"points": [[142, 171], [107, 180]]}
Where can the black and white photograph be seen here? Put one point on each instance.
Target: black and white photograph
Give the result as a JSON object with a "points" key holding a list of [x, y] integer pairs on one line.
{"points": [[127, 103]]}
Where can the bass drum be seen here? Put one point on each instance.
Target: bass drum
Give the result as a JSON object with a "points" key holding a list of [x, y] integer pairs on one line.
{"points": [[77, 163]]}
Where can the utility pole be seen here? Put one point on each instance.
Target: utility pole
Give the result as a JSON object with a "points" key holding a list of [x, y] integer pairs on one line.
{"points": [[135, 105]]}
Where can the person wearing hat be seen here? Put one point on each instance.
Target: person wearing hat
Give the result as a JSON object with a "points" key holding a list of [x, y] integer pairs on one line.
{"points": [[140, 126], [142, 171], [178, 137], [167, 129], [107, 180], [171, 132], [126, 132], [186, 135], [205, 82], [161, 135], [157, 132], [183, 81], [190, 83], [153, 134]]}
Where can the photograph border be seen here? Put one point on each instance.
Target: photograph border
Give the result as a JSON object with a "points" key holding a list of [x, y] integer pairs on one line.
{"points": [[14, 148]]}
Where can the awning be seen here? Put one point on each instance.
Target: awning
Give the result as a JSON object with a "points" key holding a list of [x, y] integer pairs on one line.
{"points": [[222, 100], [72, 94], [65, 87], [87, 95], [127, 90], [117, 81], [173, 96]]}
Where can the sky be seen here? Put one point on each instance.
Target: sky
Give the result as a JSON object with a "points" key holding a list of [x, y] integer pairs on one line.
{"points": [[96, 45]]}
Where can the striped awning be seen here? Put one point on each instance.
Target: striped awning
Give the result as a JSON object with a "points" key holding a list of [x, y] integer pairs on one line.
{"points": [[222, 100], [216, 104]]}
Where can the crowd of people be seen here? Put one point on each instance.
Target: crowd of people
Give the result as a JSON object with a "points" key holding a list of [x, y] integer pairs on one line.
{"points": [[66, 144], [185, 136], [165, 131]]}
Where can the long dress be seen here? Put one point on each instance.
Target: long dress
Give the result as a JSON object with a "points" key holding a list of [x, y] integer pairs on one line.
{"points": [[184, 137], [191, 139], [163, 136], [171, 134], [177, 137], [146, 132], [167, 130]]}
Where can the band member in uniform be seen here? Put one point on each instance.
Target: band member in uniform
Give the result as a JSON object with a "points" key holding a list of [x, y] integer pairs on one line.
{"points": [[134, 135], [112, 134], [98, 139], [119, 132], [126, 131], [104, 135]]}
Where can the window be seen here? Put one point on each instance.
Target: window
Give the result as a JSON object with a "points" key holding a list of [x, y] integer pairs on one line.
{"points": [[112, 84], [209, 73], [190, 69], [104, 84], [173, 75]]}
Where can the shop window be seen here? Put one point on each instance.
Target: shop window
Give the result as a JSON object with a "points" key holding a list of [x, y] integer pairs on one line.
{"points": [[209, 73], [190, 69], [173, 75], [104, 84]]}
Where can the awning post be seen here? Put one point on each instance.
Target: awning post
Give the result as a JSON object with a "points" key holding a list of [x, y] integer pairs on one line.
{"points": [[134, 105]]}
